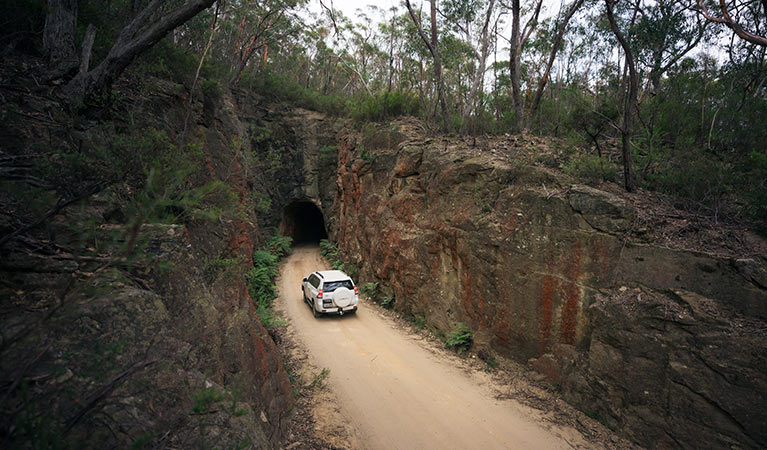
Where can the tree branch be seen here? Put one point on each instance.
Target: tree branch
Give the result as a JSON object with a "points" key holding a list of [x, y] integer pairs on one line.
{"points": [[419, 28], [730, 23], [531, 24]]}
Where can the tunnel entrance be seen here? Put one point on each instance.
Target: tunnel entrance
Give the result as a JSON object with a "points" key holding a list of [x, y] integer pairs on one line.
{"points": [[303, 221]]}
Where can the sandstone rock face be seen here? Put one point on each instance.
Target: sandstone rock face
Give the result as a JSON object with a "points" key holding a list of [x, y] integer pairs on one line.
{"points": [[672, 369], [104, 350], [295, 157], [539, 268]]}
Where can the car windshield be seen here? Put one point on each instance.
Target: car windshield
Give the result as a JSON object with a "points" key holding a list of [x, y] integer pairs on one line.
{"points": [[331, 286]]}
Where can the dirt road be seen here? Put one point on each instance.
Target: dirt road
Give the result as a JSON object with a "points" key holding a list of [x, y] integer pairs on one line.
{"points": [[395, 393]]}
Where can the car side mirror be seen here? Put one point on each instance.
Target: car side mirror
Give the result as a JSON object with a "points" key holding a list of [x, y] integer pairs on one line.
{"points": [[304, 280]]}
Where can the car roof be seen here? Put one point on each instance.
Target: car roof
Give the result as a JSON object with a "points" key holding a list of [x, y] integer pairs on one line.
{"points": [[333, 275]]}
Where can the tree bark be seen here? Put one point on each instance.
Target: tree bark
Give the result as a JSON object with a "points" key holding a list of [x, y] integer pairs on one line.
{"points": [[59, 38], [85, 53], [631, 100]]}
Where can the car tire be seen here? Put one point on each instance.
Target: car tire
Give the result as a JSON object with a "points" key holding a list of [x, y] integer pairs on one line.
{"points": [[314, 312]]}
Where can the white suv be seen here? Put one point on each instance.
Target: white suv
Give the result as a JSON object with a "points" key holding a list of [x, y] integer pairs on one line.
{"points": [[330, 292]]}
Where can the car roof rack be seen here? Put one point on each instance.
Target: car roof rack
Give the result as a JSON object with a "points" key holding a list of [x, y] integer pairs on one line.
{"points": [[320, 275]]}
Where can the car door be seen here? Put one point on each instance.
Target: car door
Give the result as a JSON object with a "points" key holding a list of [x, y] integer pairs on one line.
{"points": [[312, 287]]}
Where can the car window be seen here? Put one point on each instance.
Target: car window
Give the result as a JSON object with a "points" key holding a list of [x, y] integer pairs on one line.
{"points": [[331, 286], [314, 281]]}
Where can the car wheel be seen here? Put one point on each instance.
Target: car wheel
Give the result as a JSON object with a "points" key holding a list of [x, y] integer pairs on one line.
{"points": [[314, 311]]}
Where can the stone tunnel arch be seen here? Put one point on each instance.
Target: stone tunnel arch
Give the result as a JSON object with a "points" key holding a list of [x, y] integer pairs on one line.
{"points": [[303, 221]]}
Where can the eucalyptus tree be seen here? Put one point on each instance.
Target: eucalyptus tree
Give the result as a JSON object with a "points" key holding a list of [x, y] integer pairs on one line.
{"points": [[734, 14], [561, 24], [666, 31], [631, 99], [432, 44], [258, 24], [391, 28], [519, 38], [470, 17], [143, 30]]}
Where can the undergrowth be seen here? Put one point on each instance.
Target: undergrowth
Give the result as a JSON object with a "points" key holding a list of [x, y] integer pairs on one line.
{"points": [[261, 278], [591, 169], [460, 339], [329, 251]]}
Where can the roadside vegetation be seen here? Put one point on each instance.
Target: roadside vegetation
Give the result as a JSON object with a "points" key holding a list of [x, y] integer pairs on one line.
{"points": [[261, 278], [460, 339]]}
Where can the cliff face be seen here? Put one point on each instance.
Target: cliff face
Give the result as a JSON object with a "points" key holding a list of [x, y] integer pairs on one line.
{"points": [[664, 344], [160, 346]]}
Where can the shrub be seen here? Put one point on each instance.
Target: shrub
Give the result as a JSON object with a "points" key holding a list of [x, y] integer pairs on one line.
{"points": [[367, 156], [756, 192], [214, 267], [278, 87], [370, 290], [591, 169], [388, 301], [279, 245], [205, 398], [261, 278], [262, 201], [419, 322], [704, 181], [386, 105], [329, 250], [460, 339], [267, 317]]}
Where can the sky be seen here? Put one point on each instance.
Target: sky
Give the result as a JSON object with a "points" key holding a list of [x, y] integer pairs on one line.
{"points": [[349, 7]]}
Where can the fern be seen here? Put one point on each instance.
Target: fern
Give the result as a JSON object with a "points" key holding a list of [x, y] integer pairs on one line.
{"points": [[460, 339], [370, 289], [279, 245], [329, 250]]}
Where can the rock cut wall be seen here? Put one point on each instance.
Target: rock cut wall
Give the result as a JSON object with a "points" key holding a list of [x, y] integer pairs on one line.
{"points": [[161, 347], [666, 345]]}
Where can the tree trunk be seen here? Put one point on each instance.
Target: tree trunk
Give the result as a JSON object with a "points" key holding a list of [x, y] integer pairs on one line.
{"points": [[552, 57], [134, 39], [438, 66], [85, 54], [515, 65], [479, 76], [432, 45], [59, 38], [631, 100]]}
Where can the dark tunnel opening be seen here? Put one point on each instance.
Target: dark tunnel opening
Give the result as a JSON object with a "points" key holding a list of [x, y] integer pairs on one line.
{"points": [[303, 221]]}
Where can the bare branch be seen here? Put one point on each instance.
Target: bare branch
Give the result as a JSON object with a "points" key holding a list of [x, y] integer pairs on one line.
{"points": [[527, 31], [730, 23], [332, 13]]}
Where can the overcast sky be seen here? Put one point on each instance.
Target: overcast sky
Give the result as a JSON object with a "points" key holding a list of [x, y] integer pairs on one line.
{"points": [[349, 7]]}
